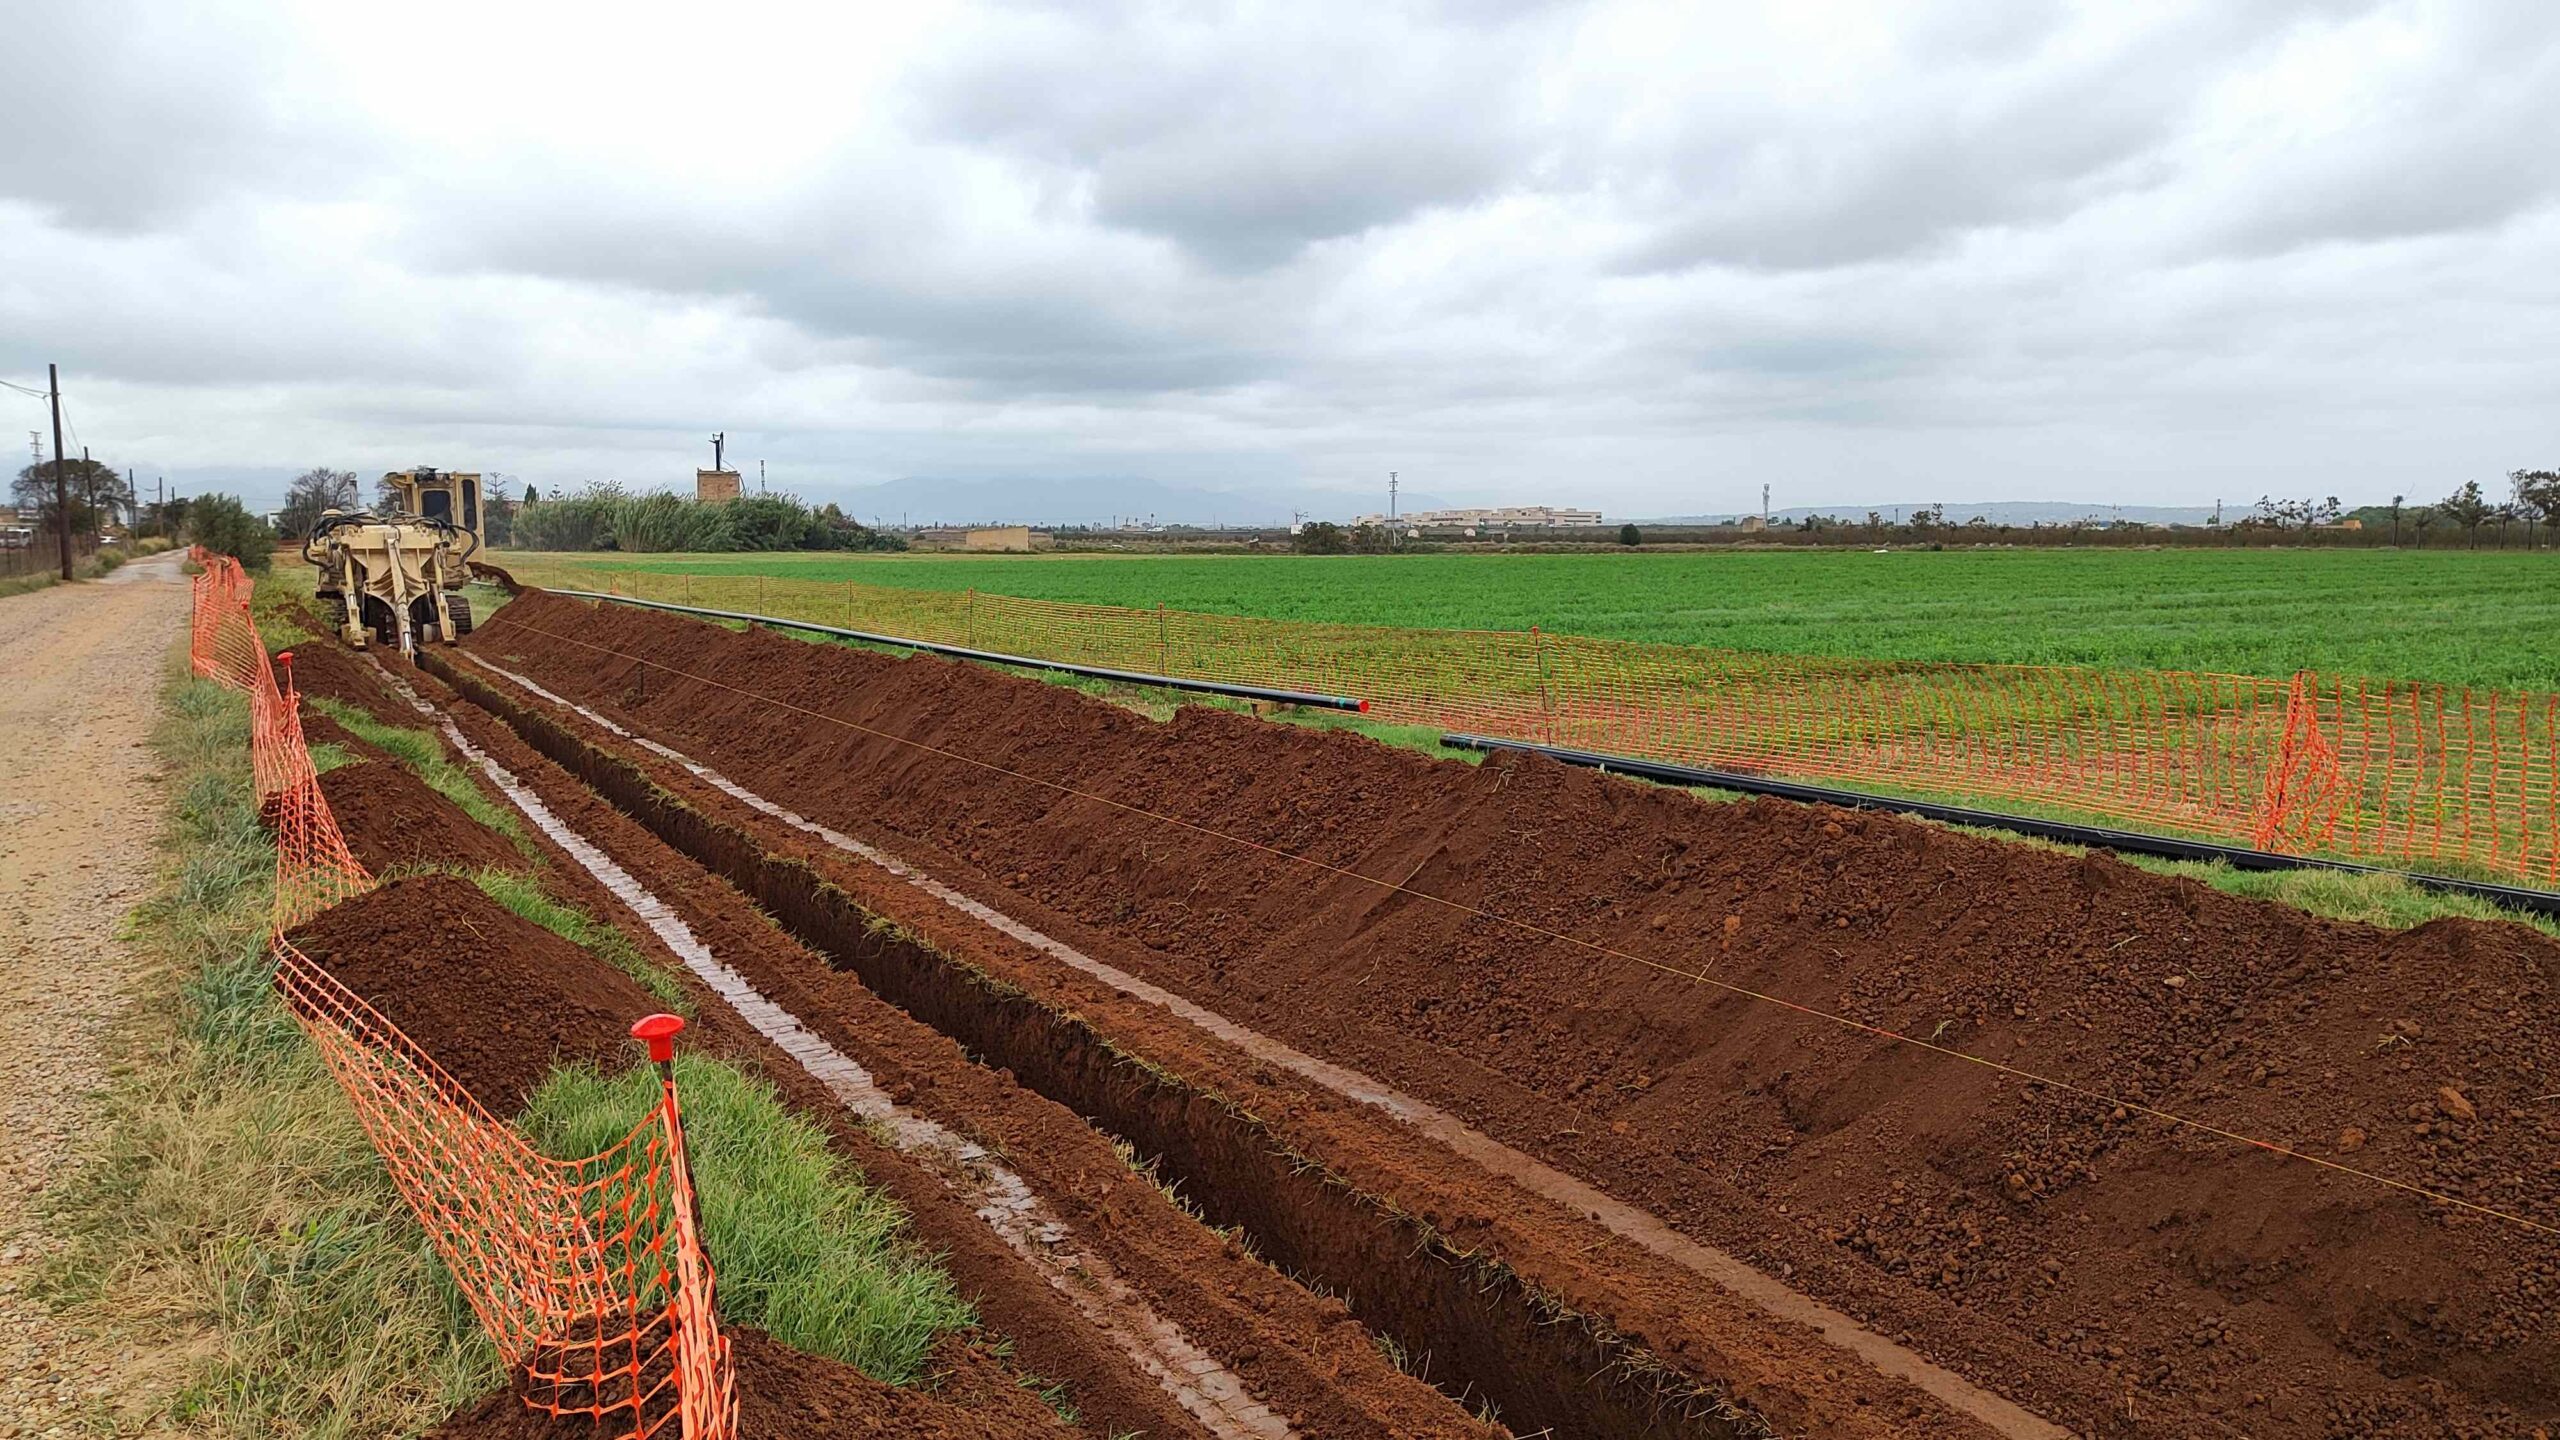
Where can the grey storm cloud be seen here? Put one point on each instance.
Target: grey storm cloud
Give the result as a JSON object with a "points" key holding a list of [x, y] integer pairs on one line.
{"points": [[1641, 255], [1186, 130]]}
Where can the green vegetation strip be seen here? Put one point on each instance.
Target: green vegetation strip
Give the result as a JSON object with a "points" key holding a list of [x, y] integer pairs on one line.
{"points": [[2459, 617], [803, 1250], [233, 1195], [231, 1205]]}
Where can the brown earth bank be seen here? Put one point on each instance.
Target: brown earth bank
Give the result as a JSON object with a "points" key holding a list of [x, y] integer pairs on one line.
{"points": [[1301, 1353], [1321, 1184], [325, 667], [493, 998], [2186, 1283], [497, 1012], [784, 1394], [391, 818]]}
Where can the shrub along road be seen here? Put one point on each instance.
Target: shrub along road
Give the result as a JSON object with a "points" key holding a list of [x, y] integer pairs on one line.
{"points": [[82, 665]]}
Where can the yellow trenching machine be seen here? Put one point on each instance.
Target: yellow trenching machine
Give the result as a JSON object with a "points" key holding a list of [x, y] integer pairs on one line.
{"points": [[398, 576]]}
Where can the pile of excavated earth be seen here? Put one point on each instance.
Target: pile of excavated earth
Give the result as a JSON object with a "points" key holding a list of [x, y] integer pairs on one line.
{"points": [[1087, 1276], [1260, 1080]]}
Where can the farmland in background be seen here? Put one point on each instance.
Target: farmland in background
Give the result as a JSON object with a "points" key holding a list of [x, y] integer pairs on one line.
{"points": [[2455, 617]]}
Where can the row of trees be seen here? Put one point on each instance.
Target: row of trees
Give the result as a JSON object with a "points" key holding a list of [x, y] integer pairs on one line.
{"points": [[605, 517], [1323, 537], [2533, 499], [99, 493], [100, 497]]}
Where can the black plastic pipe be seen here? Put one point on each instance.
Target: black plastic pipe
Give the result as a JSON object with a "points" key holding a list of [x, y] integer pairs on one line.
{"points": [[2513, 897], [963, 652]]}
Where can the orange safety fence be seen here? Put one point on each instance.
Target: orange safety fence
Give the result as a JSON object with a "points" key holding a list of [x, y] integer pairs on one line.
{"points": [[2396, 772], [588, 1274]]}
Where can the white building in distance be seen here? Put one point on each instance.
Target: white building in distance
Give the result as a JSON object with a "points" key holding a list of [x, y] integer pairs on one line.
{"points": [[1506, 517]]}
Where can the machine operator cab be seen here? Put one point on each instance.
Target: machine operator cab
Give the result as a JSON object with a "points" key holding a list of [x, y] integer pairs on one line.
{"points": [[451, 496]]}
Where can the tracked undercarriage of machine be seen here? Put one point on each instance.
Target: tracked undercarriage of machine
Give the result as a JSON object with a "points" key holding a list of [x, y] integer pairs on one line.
{"points": [[395, 576]]}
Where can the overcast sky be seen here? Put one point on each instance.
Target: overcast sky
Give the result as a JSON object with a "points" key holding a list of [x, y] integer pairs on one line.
{"points": [[1640, 257]]}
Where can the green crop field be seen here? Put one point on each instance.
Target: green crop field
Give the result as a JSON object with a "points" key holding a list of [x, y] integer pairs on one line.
{"points": [[2486, 618]]}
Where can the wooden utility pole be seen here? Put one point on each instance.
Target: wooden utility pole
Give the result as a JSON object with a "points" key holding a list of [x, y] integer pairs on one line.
{"points": [[61, 482]]}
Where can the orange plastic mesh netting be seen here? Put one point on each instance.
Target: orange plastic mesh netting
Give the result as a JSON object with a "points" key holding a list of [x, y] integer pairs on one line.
{"points": [[588, 1274], [2397, 772]]}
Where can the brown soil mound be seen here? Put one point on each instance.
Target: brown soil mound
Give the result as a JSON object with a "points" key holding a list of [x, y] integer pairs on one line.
{"points": [[496, 999], [1303, 1362], [392, 818], [784, 1394], [325, 667], [2207, 1287]]}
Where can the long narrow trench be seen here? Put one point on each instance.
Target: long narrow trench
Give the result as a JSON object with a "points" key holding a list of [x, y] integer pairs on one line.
{"points": [[1530, 1173], [1001, 1198], [1496, 1337]]}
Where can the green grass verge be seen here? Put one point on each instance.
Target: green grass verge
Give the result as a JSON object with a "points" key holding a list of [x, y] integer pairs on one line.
{"points": [[2389, 901], [232, 1201], [802, 1248], [232, 1204]]}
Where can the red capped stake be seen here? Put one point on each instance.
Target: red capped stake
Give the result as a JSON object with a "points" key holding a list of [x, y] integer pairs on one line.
{"points": [[659, 1031], [285, 659]]}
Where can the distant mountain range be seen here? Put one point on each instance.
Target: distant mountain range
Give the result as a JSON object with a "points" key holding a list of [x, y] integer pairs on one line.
{"points": [[1994, 512], [1094, 500]]}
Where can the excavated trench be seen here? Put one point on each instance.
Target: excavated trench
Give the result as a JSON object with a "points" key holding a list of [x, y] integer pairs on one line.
{"points": [[1720, 1015], [1002, 1199], [1490, 1336]]}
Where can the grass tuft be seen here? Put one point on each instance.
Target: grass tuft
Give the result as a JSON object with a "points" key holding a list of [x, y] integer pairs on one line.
{"points": [[803, 1249], [2392, 902], [326, 757]]}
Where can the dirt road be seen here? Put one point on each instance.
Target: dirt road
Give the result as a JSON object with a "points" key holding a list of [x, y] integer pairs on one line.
{"points": [[80, 670]]}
